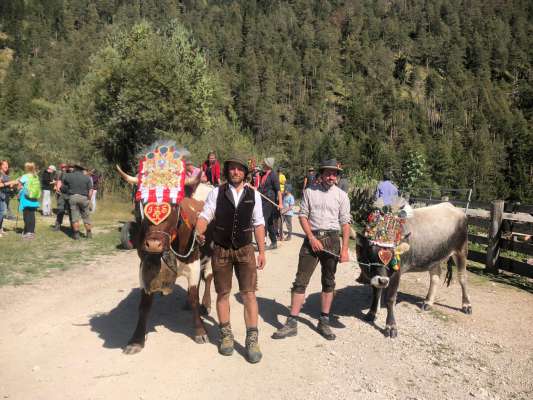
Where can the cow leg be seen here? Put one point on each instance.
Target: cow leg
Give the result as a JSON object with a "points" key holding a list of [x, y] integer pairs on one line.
{"points": [[376, 297], [460, 261], [434, 279], [192, 271], [207, 274], [136, 343], [392, 292]]}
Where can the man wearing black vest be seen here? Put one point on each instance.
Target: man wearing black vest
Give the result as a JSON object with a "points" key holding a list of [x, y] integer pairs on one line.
{"points": [[236, 209]]}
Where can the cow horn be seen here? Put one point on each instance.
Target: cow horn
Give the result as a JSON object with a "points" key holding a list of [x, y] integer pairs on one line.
{"points": [[193, 180], [130, 179]]}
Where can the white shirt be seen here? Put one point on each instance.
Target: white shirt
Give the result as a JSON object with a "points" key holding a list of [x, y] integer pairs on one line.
{"points": [[326, 208], [208, 213]]}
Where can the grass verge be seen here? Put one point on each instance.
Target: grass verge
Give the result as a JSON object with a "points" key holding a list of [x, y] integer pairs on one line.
{"points": [[24, 260]]}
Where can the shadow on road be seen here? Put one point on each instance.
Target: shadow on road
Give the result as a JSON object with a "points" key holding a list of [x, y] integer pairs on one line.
{"points": [[116, 326]]}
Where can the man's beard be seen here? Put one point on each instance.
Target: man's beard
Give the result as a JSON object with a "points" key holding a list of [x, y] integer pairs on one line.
{"points": [[235, 180], [327, 183]]}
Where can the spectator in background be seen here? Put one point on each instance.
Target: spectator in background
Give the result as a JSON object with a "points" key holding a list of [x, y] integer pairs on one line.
{"points": [[211, 167], [79, 187], [47, 185], [29, 199], [310, 178], [269, 187], [95, 177], [5, 184], [287, 211], [342, 182], [278, 221], [256, 176], [282, 180], [190, 170], [387, 191], [61, 198]]}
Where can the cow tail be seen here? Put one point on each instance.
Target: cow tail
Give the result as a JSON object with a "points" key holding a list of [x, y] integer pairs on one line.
{"points": [[449, 273]]}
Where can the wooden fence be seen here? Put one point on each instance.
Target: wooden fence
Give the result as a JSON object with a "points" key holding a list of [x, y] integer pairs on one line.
{"points": [[503, 229]]}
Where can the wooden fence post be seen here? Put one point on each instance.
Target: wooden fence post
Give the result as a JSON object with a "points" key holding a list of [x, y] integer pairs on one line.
{"points": [[493, 248]]}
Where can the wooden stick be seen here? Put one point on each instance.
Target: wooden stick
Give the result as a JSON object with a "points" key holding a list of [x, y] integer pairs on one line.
{"points": [[262, 195]]}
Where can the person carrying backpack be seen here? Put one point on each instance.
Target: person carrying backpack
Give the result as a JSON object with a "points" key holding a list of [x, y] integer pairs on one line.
{"points": [[30, 192]]}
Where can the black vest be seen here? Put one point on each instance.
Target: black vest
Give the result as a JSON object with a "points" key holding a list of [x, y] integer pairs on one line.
{"points": [[233, 226]]}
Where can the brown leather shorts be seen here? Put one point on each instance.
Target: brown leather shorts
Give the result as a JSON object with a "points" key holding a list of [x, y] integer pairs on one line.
{"points": [[243, 260]]}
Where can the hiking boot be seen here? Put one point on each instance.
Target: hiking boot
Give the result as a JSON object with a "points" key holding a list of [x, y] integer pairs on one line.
{"points": [[226, 341], [56, 227], [89, 235], [76, 235], [324, 328], [288, 238], [253, 352], [289, 329]]}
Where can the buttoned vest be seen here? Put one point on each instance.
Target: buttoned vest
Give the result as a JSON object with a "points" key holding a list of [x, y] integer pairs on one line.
{"points": [[233, 225]]}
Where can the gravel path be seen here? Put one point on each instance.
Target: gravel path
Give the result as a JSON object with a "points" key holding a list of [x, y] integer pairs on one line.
{"points": [[62, 338]]}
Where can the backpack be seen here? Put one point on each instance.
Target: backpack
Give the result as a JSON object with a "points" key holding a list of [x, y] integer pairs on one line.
{"points": [[33, 187]]}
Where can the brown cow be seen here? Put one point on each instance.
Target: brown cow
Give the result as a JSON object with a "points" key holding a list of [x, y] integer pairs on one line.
{"points": [[166, 251]]}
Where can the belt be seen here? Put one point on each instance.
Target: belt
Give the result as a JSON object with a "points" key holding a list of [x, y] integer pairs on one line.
{"points": [[325, 232]]}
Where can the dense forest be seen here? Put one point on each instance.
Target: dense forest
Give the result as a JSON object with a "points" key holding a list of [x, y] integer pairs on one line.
{"points": [[440, 92]]}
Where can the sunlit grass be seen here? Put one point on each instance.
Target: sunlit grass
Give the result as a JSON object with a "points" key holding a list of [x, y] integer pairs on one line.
{"points": [[23, 260]]}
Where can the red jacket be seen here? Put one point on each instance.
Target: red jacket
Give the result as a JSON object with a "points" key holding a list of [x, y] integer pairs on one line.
{"points": [[215, 172]]}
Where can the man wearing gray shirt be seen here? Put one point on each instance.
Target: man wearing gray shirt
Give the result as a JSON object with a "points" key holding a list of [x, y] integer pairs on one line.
{"points": [[325, 209]]}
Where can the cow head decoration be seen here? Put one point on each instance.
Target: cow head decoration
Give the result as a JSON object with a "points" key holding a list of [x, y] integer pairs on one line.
{"points": [[161, 182], [379, 250]]}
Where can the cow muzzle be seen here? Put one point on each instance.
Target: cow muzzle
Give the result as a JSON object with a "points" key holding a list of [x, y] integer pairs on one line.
{"points": [[153, 246], [156, 243], [379, 282]]}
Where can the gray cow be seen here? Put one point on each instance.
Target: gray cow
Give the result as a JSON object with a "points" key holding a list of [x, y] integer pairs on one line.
{"points": [[435, 234]]}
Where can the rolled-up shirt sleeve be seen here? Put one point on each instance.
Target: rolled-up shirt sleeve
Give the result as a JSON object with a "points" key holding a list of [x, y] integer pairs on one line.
{"points": [[304, 205], [208, 212], [257, 214], [344, 210]]}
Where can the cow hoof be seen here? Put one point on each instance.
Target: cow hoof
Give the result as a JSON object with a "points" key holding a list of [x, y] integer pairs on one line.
{"points": [[467, 310], [426, 307], [370, 317], [204, 310], [201, 339], [391, 331], [132, 348]]}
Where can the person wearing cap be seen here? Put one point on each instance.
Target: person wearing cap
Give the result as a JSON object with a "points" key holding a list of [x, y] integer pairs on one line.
{"points": [[47, 185], [310, 178], [325, 209], [287, 211], [236, 209], [78, 187], [272, 201], [61, 198]]}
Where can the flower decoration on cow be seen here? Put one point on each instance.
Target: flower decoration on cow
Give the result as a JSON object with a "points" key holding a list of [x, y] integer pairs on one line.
{"points": [[385, 229]]}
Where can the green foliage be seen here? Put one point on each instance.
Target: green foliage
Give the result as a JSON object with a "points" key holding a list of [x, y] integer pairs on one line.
{"points": [[367, 82], [413, 171], [143, 86], [362, 195]]}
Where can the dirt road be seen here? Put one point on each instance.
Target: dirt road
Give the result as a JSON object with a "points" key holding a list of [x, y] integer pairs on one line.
{"points": [[62, 338]]}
